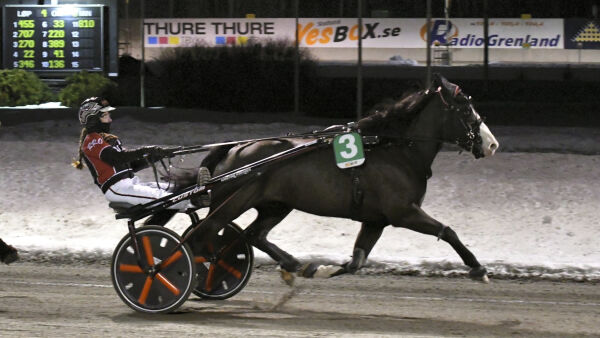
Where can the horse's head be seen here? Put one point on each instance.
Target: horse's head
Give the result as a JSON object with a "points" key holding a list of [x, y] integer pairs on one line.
{"points": [[462, 124]]}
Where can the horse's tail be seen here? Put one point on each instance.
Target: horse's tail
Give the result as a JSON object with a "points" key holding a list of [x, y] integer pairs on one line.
{"points": [[215, 155]]}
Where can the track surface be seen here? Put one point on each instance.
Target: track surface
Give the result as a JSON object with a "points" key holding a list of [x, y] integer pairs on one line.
{"points": [[66, 301]]}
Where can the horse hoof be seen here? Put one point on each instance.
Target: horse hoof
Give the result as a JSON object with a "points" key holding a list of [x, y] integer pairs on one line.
{"points": [[311, 270], [308, 270], [10, 256], [479, 273], [358, 260], [287, 277]]}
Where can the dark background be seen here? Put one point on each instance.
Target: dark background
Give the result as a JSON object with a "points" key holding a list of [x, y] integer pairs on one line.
{"points": [[525, 94], [348, 8]]}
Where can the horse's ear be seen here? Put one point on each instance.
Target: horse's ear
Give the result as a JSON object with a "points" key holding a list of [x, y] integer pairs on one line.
{"points": [[447, 86]]}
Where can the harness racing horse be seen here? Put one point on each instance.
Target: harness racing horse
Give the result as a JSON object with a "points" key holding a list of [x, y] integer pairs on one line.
{"points": [[387, 189]]}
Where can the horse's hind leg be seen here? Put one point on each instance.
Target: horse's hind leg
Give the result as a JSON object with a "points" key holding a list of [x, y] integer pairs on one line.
{"points": [[270, 215], [416, 219]]}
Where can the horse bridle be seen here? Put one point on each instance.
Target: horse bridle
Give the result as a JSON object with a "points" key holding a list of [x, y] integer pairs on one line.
{"points": [[469, 139]]}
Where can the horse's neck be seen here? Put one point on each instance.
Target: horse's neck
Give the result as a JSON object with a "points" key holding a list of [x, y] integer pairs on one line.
{"points": [[425, 135], [424, 153]]}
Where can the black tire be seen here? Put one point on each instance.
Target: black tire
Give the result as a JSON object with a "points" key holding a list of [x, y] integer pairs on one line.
{"points": [[149, 292], [223, 263]]}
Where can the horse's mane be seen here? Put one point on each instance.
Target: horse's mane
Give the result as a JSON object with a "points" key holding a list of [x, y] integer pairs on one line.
{"points": [[393, 117], [405, 103]]}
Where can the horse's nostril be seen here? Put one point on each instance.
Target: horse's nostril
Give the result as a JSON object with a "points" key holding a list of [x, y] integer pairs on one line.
{"points": [[493, 146]]}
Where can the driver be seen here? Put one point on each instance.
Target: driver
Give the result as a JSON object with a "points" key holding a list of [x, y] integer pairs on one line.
{"points": [[113, 167]]}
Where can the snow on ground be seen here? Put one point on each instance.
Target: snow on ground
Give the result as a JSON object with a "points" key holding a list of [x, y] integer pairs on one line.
{"points": [[522, 213], [47, 105]]}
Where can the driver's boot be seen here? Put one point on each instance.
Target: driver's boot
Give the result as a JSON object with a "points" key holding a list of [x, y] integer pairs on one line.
{"points": [[202, 200]]}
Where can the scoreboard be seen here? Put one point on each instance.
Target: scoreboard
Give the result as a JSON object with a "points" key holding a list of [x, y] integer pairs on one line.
{"points": [[53, 38]]}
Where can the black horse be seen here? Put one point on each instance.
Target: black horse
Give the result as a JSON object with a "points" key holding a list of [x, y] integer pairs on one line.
{"points": [[387, 189]]}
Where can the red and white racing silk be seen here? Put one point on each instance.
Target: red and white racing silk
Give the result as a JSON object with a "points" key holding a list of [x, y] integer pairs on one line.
{"points": [[116, 178], [97, 154]]}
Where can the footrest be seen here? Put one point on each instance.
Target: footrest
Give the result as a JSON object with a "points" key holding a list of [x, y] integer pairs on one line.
{"points": [[120, 206], [124, 210]]}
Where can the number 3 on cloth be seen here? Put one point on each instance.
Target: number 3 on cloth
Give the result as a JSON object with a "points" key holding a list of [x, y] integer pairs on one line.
{"points": [[348, 150]]}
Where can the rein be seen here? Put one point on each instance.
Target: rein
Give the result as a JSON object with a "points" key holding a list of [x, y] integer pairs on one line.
{"points": [[467, 144], [207, 147], [320, 139]]}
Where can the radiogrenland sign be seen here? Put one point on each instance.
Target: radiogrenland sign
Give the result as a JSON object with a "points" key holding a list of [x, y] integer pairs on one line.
{"points": [[502, 33], [344, 33]]}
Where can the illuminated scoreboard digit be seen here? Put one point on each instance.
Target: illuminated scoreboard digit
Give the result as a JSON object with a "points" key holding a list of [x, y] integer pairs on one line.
{"points": [[53, 38]]}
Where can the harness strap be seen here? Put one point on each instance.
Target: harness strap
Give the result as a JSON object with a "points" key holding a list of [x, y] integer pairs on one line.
{"points": [[357, 194]]}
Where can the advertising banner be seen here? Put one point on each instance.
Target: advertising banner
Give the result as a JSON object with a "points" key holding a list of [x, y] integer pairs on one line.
{"points": [[503, 33], [214, 32], [582, 34], [383, 33], [343, 33]]}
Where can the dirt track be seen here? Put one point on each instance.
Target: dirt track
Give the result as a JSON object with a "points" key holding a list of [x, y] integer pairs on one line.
{"points": [[42, 300]]}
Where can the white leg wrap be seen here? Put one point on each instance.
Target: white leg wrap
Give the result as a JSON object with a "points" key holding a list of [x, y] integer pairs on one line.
{"points": [[326, 271]]}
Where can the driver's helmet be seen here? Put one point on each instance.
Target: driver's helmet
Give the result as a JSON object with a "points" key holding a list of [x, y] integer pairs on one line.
{"points": [[91, 109]]}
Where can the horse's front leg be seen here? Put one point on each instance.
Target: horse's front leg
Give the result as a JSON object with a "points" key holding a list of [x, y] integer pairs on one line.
{"points": [[416, 219], [365, 241]]}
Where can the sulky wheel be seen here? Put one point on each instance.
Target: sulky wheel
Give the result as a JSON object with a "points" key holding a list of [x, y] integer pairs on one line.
{"points": [[161, 280], [223, 262]]}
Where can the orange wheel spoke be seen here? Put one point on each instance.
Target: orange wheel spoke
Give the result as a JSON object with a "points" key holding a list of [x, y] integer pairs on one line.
{"points": [[145, 290], [237, 274], [168, 284], [130, 268], [200, 259], [174, 257], [148, 250], [209, 278]]}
